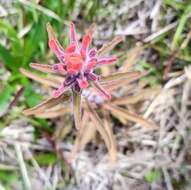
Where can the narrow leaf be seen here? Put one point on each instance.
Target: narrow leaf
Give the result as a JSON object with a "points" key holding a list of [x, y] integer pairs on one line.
{"points": [[5, 98], [42, 9], [142, 95], [49, 103], [132, 57], [114, 85], [7, 58], [118, 76], [36, 37], [77, 109], [99, 125], [42, 67], [54, 113], [180, 28], [52, 82], [129, 115], [78, 140], [109, 46], [76, 147], [89, 130], [101, 90], [107, 125]]}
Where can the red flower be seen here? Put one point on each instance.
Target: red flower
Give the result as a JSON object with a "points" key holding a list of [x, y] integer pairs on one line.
{"points": [[78, 62]]}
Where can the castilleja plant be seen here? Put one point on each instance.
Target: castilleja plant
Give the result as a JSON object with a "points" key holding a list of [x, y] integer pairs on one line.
{"points": [[77, 62], [74, 78]]}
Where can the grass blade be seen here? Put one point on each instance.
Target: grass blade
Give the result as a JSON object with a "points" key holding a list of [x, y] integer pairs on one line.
{"points": [[42, 9], [7, 58], [180, 28], [23, 168]]}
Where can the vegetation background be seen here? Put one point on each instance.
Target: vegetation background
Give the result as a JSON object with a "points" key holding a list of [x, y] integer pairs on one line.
{"points": [[157, 37]]}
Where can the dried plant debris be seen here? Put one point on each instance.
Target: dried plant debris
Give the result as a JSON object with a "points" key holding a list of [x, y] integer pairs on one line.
{"points": [[153, 158], [137, 18]]}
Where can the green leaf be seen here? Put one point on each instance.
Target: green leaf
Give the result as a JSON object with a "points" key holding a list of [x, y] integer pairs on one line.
{"points": [[45, 159], [8, 177], [31, 97], [180, 28], [153, 176], [175, 4], [5, 97], [11, 34], [8, 60], [32, 43]]}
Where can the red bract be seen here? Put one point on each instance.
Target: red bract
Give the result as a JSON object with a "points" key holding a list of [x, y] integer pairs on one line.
{"points": [[78, 62]]}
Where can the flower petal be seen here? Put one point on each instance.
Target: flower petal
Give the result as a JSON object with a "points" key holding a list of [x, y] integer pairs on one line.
{"points": [[73, 35], [54, 46], [91, 64], [92, 53], [86, 41], [53, 43], [83, 83], [71, 48]]}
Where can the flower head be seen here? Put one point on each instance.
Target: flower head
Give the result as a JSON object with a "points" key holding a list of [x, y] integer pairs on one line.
{"points": [[78, 62]]}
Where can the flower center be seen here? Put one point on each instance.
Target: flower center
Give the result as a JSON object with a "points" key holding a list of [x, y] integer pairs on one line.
{"points": [[74, 63]]}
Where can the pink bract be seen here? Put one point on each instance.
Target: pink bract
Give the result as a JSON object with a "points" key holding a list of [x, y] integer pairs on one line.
{"points": [[78, 62]]}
